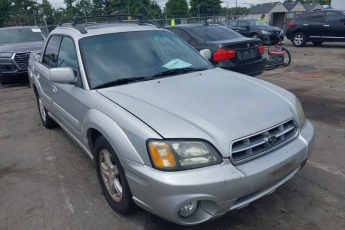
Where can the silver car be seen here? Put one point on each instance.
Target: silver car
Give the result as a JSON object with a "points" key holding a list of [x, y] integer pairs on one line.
{"points": [[168, 132]]}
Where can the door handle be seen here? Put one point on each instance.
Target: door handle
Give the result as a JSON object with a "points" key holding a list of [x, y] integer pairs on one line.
{"points": [[54, 89], [326, 25]]}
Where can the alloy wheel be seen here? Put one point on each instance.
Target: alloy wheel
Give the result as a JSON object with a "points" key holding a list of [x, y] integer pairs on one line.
{"points": [[110, 175], [298, 40]]}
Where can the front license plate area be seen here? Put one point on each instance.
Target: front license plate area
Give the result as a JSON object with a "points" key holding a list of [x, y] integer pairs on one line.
{"points": [[282, 171]]}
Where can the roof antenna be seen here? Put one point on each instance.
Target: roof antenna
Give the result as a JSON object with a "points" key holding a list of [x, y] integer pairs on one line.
{"points": [[157, 24]]}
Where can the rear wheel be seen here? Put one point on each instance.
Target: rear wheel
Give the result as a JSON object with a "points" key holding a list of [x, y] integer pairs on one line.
{"points": [[317, 43], [112, 178], [299, 39], [46, 120]]}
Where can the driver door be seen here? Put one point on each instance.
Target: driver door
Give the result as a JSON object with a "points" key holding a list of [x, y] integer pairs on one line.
{"points": [[67, 97]]}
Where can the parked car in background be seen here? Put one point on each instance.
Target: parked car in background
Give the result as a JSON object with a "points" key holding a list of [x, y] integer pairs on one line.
{"points": [[228, 49], [16, 44], [257, 29], [317, 27], [167, 130]]}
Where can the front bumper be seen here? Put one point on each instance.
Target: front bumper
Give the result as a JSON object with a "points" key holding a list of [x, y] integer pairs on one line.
{"points": [[10, 73], [218, 188]]}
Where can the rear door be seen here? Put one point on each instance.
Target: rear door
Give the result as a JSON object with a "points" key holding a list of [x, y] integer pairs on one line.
{"points": [[244, 28], [315, 25], [41, 70], [336, 26]]}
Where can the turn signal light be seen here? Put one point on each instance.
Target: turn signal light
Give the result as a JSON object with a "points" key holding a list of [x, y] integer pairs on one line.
{"points": [[223, 54], [161, 155], [261, 49]]}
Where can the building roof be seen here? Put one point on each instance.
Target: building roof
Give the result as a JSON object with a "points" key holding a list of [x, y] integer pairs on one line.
{"points": [[290, 5], [311, 6], [263, 8]]}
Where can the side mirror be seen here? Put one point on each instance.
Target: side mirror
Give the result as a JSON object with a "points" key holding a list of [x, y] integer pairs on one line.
{"points": [[206, 53], [62, 75]]}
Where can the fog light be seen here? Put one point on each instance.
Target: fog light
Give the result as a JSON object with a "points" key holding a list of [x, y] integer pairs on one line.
{"points": [[188, 209]]}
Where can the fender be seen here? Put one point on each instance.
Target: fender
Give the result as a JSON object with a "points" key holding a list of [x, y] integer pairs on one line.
{"points": [[117, 138]]}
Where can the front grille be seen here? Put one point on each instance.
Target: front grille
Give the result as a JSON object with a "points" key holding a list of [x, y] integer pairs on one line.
{"points": [[261, 143], [22, 60]]}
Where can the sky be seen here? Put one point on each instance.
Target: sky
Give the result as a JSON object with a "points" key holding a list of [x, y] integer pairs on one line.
{"points": [[231, 3]]}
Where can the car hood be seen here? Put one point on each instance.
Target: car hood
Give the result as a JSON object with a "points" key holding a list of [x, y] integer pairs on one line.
{"points": [[217, 105], [21, 46]]}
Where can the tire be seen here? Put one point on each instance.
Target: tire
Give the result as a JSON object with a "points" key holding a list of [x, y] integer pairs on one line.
{"points": [[317, 43], [46, 120], [288, 56], [299, 39], [117, 193]]}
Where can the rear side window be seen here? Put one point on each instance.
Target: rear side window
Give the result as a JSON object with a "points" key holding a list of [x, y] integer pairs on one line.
{"points": [[214, 33], [334, 17], [317, 17], [50, 57]]}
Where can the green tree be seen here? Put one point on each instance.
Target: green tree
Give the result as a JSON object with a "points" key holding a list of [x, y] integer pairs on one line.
{"points": [[84, 7], [45, 10], [176, 8], [5, 7], [205, 7]]}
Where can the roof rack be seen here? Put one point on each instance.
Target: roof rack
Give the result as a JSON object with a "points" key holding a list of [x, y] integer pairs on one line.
{"points": [[75, 23]]}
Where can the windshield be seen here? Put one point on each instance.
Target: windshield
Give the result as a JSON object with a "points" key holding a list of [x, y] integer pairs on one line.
{"points": [[110, 57], [259, 23], [20, 35], [214, 33]]}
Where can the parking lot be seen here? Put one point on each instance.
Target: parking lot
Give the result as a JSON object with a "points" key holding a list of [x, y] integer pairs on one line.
{"points": [[47, 182]]}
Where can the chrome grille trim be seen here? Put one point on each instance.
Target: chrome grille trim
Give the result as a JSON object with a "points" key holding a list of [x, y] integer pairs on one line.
{"points": [[21, 60], [258, 144]]}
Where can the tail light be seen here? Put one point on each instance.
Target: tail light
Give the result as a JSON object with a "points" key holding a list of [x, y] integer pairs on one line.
{"points": [[292, 23], [261, 49], [223, 54]]}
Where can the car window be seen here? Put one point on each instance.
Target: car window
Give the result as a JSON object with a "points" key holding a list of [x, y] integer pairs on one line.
{"points": [[232, 23], [185, 36], [259, 23], [334, 17], [68, 56], [213, 33], [243, 23], [50, 57], [109, 57], [20, 35], [317, 17]]}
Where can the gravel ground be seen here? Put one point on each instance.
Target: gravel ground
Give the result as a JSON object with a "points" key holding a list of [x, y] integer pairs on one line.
{"points": [[47, 182]]}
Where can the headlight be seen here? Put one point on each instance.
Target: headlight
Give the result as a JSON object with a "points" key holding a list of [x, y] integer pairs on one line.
{"points": [[300, 113], [174, 155], [265, 32], [6, 55]]}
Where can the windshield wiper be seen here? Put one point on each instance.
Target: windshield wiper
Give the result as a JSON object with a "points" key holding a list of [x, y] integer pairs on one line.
{"points": [[176, 71], [121, 81]]}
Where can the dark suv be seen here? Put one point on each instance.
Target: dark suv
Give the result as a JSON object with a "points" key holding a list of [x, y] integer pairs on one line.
{"points": [[317, 27], [257, 29], [16, 44]]}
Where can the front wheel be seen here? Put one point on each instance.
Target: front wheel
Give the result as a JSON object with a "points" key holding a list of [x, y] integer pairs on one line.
{"points": [[299, 40], [112, 178], [255, 36]]}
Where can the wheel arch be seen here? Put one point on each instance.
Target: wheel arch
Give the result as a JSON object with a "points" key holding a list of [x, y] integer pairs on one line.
{"points": [[98, 124]]}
